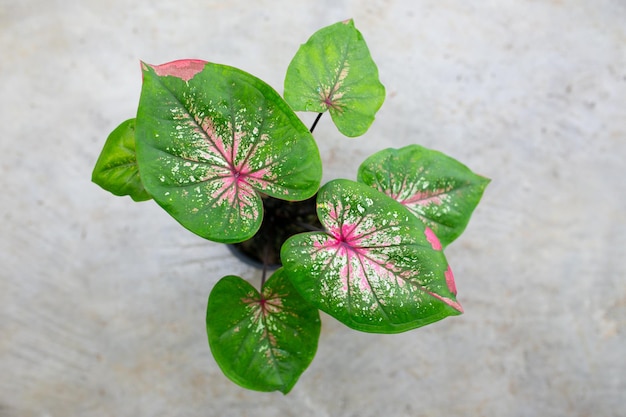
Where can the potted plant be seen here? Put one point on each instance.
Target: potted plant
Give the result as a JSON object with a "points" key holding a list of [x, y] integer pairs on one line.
{"points": [[225, 155]]}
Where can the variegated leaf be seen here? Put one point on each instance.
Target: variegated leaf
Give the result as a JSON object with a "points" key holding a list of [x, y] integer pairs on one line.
{"points": [[438, 189], [376, 268], [334, 71], [261, 341], [210, 137]]}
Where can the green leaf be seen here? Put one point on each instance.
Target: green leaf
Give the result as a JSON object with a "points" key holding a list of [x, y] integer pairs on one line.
{"points": [[262, 341], [334, 71], [438, 189], [116, 169], [210, 138], [376, 269]]}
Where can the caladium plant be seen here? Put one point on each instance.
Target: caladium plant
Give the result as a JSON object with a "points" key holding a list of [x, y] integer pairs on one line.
{"points": [[227, 157]]}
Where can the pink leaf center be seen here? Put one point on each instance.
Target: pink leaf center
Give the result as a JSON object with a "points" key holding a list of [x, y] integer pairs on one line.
{"points": [[264, 306]]}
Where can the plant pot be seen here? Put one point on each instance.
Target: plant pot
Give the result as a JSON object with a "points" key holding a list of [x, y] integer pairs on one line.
{"points": [[281, 220]]}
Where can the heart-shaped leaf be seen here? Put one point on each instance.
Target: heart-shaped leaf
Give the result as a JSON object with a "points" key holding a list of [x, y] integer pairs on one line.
{"points": [[261, 341], [210, 137], [334, 71], [439, 190], [116, 169], [377, 268]]}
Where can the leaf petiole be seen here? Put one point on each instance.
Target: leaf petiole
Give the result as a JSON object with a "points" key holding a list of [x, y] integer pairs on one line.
{"points": [[266, 250], [310, 227], [317, 119]]}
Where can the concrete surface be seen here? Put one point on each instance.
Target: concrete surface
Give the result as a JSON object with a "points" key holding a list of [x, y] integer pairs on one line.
{"points": [[102, 300]]}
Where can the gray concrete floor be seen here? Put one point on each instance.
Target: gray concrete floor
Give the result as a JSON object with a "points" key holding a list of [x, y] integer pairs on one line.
{"points": [[102, 300]]}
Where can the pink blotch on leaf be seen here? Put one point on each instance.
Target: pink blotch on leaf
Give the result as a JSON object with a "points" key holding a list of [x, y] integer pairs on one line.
{"points": [[432, 239], [185, 69], [450, 280]]}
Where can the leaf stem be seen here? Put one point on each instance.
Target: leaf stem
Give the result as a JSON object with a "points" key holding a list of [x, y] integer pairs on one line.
{"points": [[317, 119], [310, 227], [264, 275]]}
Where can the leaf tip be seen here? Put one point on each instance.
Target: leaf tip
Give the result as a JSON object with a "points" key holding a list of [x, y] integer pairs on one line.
{"points": [[456, 306], [286, 389], [448, 301]]}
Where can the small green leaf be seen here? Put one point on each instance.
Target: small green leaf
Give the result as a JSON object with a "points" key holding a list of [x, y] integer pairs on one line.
{"points": [[376, 269], [262, 341], [210, 138], [334, 71], [438, 189], [116, 169]]}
